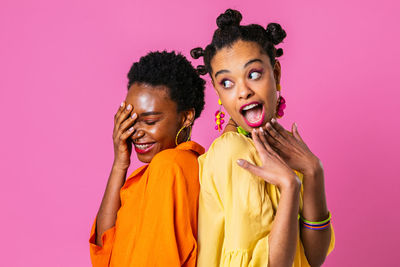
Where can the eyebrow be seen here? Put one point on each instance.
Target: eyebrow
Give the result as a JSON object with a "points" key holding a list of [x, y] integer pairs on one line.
{"points": [[150, 113], [252, 61], [245, 65]]}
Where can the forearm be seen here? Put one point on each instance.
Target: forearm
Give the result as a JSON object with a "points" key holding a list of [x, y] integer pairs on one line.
{"points": [[315, 242], [111, 202], [283, 236]]}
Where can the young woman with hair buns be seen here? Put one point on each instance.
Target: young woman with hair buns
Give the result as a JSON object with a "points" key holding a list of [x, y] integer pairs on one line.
{"points": [[262, 197]]}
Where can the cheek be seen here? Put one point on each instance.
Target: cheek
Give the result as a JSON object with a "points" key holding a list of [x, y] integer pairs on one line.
{"points": [[165, 131], [267, 91], [228, 99], [272, 97]]}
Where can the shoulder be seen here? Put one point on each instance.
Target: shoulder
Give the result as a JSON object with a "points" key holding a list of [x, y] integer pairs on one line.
{"points": [[173, 157], [174, 165], [218, 166], [233, 139], [229, 146]]}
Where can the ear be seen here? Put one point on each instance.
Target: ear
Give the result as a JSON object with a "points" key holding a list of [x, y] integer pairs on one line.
{"points": [[216, 91], [277, 72], [188, 117]]}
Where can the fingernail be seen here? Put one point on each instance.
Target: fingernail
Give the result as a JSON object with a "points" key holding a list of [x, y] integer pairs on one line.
{"points": [[240, 162], [129, 107], [130, 129], [134, 116], [273, 120], [261, 129], [122, 104], [295, 125]]}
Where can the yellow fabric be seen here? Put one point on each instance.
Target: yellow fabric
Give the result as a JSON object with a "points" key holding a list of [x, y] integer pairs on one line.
{"points": [[236, 208]]}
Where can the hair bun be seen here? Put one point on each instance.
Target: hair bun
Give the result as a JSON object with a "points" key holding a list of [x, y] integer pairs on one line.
{"points": [[201, 70], [197, 52], [275, 33], [229, 18], [279, 52]]}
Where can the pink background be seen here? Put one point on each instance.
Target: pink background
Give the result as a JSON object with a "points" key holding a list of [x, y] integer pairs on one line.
{"points": [[63, 68]]}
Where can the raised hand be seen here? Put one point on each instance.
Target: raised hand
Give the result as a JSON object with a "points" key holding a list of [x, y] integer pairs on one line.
{"points": [[291, 148], [123, 129], [274, 170]]}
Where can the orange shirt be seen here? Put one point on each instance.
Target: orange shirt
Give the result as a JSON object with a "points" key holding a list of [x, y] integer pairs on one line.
{"points": [[157, 222]]}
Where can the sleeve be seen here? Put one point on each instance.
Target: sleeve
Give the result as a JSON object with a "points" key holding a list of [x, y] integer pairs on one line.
{"points": [[178, 205], [100, 256], [235, 212], [186, 221]]}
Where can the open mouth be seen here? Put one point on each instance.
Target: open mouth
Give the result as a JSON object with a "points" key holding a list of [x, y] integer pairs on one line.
{"points": [[253, 114], [143, 147]]}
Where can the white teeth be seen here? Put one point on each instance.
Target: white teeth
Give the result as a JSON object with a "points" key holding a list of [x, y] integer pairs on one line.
{"points": [[250, 106], [142, 147]]}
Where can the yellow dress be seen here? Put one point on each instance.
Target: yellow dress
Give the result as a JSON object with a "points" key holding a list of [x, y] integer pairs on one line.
{"points": [[237, 208]]}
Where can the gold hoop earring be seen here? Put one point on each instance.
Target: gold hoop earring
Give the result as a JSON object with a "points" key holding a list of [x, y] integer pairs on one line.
{"points": [[183, 127]]}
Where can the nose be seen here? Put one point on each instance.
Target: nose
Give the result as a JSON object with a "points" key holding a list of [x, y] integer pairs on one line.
{"points": [[245, 92], [138, 133]]}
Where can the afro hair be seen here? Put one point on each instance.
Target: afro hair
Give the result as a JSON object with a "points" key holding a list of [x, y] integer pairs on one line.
{"points": [[174, 71]]}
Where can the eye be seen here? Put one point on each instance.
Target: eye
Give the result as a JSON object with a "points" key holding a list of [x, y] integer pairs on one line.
{"points": [[226, 83], [254, 75], [150, 122]]}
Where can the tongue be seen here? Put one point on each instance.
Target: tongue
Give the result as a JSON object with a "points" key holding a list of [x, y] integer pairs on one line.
{"points": [[254, 114]]}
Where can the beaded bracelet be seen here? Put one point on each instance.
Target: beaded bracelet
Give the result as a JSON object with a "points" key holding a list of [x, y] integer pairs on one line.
{"points": [[317, 225]]}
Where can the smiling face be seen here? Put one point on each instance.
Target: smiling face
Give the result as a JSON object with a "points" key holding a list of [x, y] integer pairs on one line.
{"points": [[246, 83], [158, 120]]}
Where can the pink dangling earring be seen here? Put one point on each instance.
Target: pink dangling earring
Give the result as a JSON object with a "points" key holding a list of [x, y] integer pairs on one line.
{"points": [[281, 103], [219, 117]]}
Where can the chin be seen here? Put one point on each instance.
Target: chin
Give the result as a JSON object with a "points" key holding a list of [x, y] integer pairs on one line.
{"points": [[146, 151], [145, 158]]}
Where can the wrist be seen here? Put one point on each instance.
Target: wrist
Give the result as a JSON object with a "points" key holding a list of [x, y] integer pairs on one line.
{"points": [[120, 166], [314, 168], [291, 185]]}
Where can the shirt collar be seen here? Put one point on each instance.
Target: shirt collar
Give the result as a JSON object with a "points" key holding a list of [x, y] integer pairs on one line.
{"points": [[191, 145]]}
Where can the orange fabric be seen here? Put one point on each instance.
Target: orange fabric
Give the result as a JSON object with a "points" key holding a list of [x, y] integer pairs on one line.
{"points": [[157, 222]]}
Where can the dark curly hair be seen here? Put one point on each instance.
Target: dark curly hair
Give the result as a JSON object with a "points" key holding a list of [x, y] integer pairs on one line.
{"points": [[174, 71], [229, 31]]}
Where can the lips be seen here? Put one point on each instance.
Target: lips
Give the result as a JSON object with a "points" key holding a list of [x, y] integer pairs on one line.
{"points": [[143, 148], [253, 114]]}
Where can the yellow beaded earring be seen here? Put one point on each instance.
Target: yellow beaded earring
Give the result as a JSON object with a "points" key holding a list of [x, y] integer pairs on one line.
{"points": [[219, 117]]}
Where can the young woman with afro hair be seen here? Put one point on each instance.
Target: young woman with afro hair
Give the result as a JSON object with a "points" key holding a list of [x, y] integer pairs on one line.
{"points": [[150, 218]]}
